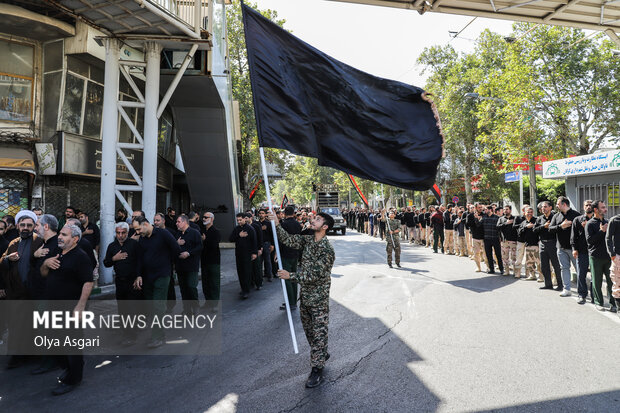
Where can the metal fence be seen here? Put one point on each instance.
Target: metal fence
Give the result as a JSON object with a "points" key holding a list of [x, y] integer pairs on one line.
{"points": [[193, 12], [608, 193]]}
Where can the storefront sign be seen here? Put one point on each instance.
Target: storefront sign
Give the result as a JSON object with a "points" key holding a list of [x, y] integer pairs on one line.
{"points": [[82, 156], [46, 158], [581, 165]]}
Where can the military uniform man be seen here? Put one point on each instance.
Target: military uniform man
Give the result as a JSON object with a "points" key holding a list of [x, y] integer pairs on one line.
{"points": [[393, 239], [314, 277]]}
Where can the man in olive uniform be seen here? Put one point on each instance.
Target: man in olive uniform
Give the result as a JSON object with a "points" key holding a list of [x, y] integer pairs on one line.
{"points": [[393, 239], [314, 277]]}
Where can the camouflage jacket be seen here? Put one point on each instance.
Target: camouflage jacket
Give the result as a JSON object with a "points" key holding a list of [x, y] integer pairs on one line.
{"points": [[314, 272], [394, 225]]}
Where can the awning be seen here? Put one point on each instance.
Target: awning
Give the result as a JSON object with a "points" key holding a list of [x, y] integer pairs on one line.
{"points": [[17, 159]]}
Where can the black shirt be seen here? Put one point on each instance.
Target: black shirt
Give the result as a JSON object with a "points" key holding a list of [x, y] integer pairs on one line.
{"points": [[211, 246], [612, 238], [156, 254], [529, 236], [578, 234], [516, 225], [291, 226], [193, 245], [266, 231], [127, 268], [37, 284], [66, 282], [448, 220], [563, 234], [244, 245], [543, 233], [4, 244], [422, 220], [596, 238], [11, 234], [94, 237], [409, 221], [87, 247], [258, 230], [508, 231], [475, 226]]}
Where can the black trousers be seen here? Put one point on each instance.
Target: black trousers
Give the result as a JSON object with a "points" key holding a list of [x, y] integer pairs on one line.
{"points": [[126, 296], [74, 365], [549, 254], [257, 271], [489, 246], [244, 271]]}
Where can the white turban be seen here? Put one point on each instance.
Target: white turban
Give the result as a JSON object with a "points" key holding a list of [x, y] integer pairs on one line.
{"points": [[25, 213]]}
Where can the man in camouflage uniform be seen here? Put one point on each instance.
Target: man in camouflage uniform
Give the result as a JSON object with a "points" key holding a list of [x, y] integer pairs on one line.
{"points": [[314, 277], [530, 238], [393, 239]]}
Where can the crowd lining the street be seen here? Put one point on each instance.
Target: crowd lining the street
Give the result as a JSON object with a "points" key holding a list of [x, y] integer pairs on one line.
{"points": [[549, 243]]}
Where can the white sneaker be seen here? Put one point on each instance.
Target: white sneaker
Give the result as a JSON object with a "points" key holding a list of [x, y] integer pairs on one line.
{"points": [[566, 293]]}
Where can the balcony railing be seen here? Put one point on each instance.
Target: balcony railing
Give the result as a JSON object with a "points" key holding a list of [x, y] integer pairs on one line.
{"points": [[193, 12]]}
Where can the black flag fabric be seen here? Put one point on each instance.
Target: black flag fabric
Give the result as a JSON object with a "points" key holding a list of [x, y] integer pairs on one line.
{"points": [[313, 105]]}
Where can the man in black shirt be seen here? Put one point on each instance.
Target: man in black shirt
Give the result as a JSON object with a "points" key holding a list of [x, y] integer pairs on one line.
{"points": [[422, 224], [290, 256], [158, 249], [448, 226], [159, 221], [210, 258], [83, 243], [257, 264], [579, 246], [520, 241], [612, 239], [530, 241], [246, 251], [90, 230], [123, 254], [187, 264], [509, 240], [3, 242], [561, 225], [491, 240], [267, 243], [474, 222], [437, 224], [548, 249], [69, 278], [600, 261]]}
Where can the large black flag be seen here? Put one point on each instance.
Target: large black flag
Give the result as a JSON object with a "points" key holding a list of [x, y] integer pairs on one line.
{"points": [[313, 105]]}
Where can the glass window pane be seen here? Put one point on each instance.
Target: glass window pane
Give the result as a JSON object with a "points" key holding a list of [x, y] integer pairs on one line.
{"points": [[124, 134], [77, 66], [16, 58], [15, 99], [72, 106], [51, 101], [93, 110], [96, 74], [52, 56]]}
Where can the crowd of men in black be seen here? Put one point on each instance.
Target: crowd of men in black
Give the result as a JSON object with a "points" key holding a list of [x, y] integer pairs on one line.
{"points": [[46, 258], [549, 242]]}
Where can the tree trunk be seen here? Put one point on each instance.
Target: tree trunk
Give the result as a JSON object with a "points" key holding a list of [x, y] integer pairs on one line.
{"points": [[469, 196], [532, 167]]}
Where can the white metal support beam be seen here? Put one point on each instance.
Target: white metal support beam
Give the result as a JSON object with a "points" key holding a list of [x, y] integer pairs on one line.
{"points": [[176, 80], [559, 10], [613, 36], [152, 53], [109, 136]]}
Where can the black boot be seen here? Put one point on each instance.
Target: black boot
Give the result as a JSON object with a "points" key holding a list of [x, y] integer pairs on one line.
{"points": [[315, 378]]}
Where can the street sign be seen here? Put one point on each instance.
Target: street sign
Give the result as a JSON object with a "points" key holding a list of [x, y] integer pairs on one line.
{"points": [[512, 176], [455, 199]]}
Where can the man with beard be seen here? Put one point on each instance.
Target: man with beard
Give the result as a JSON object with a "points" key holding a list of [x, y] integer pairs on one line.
{"points": [[188, 263], [90, 230], [509, 241], [246, 251], [158, 249], [392, 238], [11, 231], [257, 264], [69, 278], [520, 240], [69, 213], [290, 256], [314, 276], [530, 240], [600, 261], [122, 254], [548, 249], [3, 242], [159, 221], [83, 243], [268, 246], [561, 225], [580, 250], [210, 259], [16, 264]]}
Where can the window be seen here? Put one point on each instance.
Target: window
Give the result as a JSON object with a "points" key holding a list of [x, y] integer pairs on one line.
{"points": [[82, 107], [52, 85], [16, 79]]}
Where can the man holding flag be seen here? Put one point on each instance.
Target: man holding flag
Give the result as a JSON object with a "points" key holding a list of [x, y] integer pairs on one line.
{"points": [[314, 277]]}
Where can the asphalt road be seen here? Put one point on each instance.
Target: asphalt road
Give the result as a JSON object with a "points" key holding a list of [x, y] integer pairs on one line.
{"points": [[432, 336]]}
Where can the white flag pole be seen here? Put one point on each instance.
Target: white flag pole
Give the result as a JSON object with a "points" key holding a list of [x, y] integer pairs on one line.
{"points": [[387, 218], [277, 248]]}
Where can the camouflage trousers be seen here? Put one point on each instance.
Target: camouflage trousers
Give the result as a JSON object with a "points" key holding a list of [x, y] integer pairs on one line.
{"points": [[532, 261], [509, 255], [449, 241], [615, 277], [389, 248], [519, 257], [315, 320], [479, 252], [461, 247]]}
